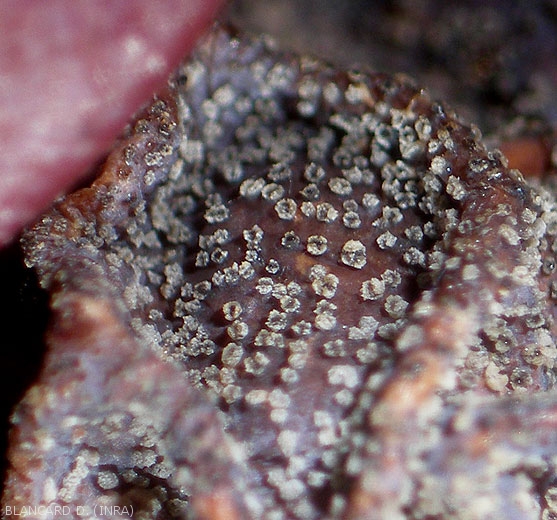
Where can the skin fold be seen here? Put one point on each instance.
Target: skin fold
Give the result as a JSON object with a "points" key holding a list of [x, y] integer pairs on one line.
{"points": [[72, 73]]}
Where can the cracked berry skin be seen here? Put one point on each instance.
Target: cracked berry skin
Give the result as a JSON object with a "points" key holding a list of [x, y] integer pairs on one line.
{"points": [[322, 275]]}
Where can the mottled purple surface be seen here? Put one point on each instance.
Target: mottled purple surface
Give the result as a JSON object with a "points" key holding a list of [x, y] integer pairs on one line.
{"points": [[295, 292]]}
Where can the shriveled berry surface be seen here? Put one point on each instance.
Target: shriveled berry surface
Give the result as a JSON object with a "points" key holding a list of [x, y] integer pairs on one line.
{"points": [[493, 61], [294, 292]]}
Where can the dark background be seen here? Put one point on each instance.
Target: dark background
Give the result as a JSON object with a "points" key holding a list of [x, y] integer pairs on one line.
{"points": [[493, 61]]}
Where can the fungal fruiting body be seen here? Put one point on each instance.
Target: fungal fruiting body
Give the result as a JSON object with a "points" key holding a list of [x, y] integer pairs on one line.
{"points": [[303, 293]]}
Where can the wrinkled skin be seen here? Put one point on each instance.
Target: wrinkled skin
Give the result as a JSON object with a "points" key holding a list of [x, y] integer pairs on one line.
{"points": [[484, 429], [415, 378]]}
